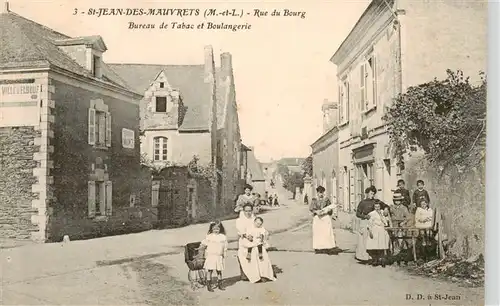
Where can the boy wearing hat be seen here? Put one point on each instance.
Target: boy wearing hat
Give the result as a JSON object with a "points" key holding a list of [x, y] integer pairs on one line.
{"points": [[400, 218], [400, 213]]}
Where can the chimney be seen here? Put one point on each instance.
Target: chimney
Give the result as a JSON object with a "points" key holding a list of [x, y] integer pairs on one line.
{"points": [[226, 64], [209, 64], [5, 8]]}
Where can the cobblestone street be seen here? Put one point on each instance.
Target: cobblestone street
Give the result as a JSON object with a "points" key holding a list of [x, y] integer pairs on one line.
{"points": [[151, 271]]}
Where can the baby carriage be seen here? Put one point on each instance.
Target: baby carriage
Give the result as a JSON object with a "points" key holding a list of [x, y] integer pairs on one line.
{"points": [[194, 256]]}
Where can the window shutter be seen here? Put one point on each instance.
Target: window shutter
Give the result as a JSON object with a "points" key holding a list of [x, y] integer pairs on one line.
{"points": [[91, 199], [352, 190], [109, 198], [346, 97], [341, 106], [108, 129], [91, 129], [155, 193], [374, 78], [362, 87]]}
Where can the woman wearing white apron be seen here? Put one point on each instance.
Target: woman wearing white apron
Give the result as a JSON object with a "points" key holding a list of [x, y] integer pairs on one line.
{"points": [[323, 238], [254, 269]]}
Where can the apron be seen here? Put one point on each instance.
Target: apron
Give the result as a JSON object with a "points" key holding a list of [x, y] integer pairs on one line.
{"points": [[323, 237], [362, 234]]}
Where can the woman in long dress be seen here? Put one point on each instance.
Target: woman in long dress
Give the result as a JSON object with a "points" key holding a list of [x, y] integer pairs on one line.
{"points": [[255, 269], [377, 241], [246, 198], [362, 214], [323, 237]]}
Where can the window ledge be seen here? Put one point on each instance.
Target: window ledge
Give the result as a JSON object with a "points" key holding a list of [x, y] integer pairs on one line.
{"points": [[101, 147], [369, 110], [343, 123], [100, 218]]}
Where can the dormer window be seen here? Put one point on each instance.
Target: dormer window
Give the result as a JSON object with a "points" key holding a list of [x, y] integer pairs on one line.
{"points": [[96, 66], [162, 85], [161, 104]]}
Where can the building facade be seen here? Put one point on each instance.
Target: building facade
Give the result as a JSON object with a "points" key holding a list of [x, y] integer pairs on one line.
{"points": [[381, 57], [69, 138], [187, 111], [325, 154], [255, 175]]}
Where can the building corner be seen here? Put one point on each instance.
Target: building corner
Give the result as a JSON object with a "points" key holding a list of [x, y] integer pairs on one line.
{"points": [[43, 187]]}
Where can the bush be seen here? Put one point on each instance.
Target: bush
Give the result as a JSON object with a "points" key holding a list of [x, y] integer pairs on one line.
{"points": [[446, 121]]}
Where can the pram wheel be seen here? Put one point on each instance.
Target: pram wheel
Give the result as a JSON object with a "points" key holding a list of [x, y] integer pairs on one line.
{"points": [[197, 278]]}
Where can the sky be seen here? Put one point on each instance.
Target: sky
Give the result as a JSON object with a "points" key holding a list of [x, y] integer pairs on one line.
{"points": [[281, 65]]}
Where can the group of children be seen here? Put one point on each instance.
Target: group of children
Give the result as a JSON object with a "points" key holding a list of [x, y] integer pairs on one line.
{"points": [[406, 212], [414, 213]]}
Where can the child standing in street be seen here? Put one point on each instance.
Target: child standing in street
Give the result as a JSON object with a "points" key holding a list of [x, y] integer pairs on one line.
{"points": [[216, 250]]}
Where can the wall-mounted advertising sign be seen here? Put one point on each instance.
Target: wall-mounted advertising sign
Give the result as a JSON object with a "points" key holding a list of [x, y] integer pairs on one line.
{"points": [[19, 105], [128, 138]]}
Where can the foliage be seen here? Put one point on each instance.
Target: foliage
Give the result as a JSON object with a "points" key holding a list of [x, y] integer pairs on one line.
{"points": [[195, 169], [445, 118], [293, 180], [307, 166]]}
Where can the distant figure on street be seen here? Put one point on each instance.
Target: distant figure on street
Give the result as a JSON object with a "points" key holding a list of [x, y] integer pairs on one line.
{"points": [[276, 202], [270, 200], [246, 198], [306, 199], [323, 237]]}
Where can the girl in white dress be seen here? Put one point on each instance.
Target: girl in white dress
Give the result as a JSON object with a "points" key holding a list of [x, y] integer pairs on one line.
{"points": [[215, 253]]}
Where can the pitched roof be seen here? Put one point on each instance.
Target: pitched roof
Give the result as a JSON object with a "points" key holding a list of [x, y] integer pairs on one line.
{"points": [[254, 167], [189, 80], [27, 44]]}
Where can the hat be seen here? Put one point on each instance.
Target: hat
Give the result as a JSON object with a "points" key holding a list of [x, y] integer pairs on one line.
{"points": [[320, 189], [397, 197]]}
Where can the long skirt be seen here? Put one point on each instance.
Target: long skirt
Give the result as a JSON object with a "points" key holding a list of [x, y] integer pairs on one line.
{"points": [[362, 234], [255, 269], [380, 240], [323, 238]]}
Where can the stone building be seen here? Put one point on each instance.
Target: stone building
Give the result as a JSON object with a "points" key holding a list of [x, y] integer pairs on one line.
{"points": [[68, 138], [190, 110], [325, 154], [255, 175], [394, 45]]}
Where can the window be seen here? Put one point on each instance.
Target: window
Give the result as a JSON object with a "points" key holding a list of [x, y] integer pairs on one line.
{"points": [[96, 66], [100, 195], [161, 104], [344, 102], [99, 127], [162, 85], [368, 87], [160, 148]]}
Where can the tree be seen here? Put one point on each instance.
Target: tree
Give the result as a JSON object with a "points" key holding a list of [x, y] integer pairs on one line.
{"points": [[292, 181], [445, 118], [307, 166]]}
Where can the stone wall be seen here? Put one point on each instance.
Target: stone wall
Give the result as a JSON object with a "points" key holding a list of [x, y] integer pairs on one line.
{"points": [[16, 179], [460, 197], [74, 160]]}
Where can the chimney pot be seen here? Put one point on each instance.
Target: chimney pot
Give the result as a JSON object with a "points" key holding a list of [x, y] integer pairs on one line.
{"points": [[226, 64], [209, 64], [5, 8]]}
